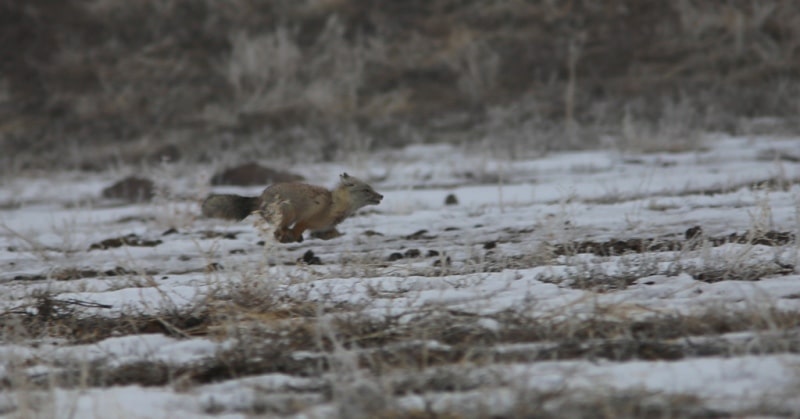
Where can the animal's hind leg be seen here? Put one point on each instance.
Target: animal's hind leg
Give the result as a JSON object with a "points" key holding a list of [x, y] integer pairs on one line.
{"points": [[296, 232], [331, 233], [281, 215], [285, 235]]}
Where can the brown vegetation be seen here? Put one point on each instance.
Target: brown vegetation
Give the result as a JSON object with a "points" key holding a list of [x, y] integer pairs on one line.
{"points": [[273, 77]]}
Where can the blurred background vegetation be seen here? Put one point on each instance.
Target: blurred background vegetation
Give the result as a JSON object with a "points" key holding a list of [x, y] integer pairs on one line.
{"points": [[85, 84]]}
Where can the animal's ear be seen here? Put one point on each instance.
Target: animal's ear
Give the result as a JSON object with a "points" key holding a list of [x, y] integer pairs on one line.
{"points": [[346, 179]]}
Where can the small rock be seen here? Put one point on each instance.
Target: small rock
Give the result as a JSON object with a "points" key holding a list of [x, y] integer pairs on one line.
{"points": [[693, 232], [412, 253], [118, 271], [395, 256], [309, 258], [451, 199], [432, 253], [131, 189], [490, 245], [438, 262]]}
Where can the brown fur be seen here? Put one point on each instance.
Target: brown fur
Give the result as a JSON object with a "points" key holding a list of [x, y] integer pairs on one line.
{"points": [[292, 208], [229, 206]]}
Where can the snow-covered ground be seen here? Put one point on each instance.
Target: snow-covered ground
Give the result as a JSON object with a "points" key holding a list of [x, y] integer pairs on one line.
{"points": [[566, 286]]}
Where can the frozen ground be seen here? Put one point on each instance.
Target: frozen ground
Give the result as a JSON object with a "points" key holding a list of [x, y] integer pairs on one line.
{"points": [[574, 285]]}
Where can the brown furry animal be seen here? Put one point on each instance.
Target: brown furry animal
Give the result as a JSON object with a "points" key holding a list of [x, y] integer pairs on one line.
{"points": [[294, 207]]}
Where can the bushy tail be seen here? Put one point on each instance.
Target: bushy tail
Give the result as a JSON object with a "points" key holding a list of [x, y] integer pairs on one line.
{"points": [[229, 206]]}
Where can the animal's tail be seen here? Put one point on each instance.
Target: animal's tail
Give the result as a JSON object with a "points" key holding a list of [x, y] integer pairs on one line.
{"points": [[229, 206]]}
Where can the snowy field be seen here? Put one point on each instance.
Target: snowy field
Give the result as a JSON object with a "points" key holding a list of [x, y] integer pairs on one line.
{"points": [[584, 284]]}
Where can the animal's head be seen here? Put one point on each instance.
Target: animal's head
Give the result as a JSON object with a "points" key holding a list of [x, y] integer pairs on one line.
{"points": [[362, 193]]}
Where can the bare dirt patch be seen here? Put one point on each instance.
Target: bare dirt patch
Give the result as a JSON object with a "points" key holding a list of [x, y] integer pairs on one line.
{"points": [[67, 274], [128, 240], [694, 238]]}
